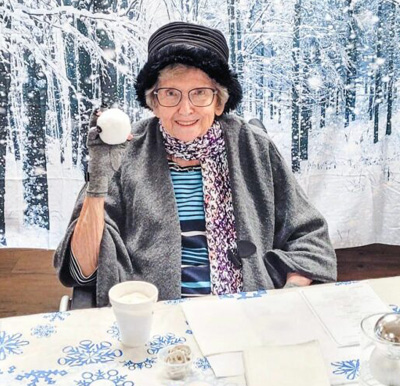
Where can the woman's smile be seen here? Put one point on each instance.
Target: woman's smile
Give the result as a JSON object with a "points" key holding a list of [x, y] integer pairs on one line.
{"points": [[187, 123]]}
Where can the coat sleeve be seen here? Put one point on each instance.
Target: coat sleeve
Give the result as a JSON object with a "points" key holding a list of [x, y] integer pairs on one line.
{"points": [[301, 238], [114, 262]]}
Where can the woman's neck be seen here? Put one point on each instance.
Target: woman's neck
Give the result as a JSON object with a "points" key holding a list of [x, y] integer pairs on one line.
{"points": [[182, 162]]}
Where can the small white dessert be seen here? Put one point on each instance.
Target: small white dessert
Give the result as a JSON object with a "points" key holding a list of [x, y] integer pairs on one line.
{"points": [[177, 360]]}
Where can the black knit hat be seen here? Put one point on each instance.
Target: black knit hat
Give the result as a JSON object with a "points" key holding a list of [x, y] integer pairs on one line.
{"points": [[192, 45]]}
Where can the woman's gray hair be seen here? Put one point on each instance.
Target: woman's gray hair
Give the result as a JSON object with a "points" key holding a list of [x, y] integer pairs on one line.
{"points": [[175, 69]]}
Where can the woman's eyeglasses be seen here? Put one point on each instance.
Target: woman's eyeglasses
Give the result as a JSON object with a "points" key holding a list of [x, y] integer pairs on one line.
{"points": [[199, 97]]}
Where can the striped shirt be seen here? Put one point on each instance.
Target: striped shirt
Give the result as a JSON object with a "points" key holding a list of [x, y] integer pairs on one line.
{"points": [[77, 275], [188, 188]]}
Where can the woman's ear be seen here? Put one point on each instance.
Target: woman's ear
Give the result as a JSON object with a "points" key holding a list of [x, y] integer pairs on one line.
{"points": [[156, 110], [219, 109]]}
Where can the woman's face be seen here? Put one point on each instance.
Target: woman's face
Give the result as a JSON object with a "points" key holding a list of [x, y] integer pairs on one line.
{"points": [[186, 121]]}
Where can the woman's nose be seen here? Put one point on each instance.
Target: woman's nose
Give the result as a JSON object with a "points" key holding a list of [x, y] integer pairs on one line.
{"points": [[185, 106]]}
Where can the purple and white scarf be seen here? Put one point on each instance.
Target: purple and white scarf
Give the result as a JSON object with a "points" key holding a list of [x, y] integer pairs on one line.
{"points": [[220, 220]]}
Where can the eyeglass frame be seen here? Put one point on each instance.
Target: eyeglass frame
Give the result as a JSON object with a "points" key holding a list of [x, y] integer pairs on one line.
{"points": [[215, 92]]}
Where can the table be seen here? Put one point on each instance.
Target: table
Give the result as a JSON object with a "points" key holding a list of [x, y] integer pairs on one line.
{"points": [[83, 347]]}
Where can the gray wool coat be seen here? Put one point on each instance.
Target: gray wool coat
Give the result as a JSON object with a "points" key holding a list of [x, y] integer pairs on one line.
{"points": [[142, 236]]}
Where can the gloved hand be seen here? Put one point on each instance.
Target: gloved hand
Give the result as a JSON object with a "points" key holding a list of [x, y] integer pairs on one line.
{"points": [[105, 158]]}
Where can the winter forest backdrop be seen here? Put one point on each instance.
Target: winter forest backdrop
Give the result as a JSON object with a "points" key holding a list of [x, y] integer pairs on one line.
{"points": [[323, 75]]}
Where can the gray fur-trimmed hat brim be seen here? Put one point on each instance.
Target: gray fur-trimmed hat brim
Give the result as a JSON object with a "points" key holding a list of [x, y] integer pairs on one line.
{"points": [[206, 60]]}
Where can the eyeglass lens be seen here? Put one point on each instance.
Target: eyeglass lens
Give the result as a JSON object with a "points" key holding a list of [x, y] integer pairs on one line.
{"points": [[200, 97]]}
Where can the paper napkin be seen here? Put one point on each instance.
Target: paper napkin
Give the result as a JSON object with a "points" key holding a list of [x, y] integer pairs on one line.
{"points": [[299, 364]]}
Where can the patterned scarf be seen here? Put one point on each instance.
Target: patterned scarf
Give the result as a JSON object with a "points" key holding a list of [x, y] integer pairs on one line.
{"points": [[220, 219]]}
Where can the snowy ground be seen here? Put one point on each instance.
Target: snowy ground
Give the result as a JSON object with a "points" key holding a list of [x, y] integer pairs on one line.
{"points": [[353, 182], [64, 183]]}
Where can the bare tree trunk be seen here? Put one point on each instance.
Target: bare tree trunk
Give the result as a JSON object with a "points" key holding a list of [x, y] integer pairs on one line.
{"points": [[378, 76], [351, 71], [5, 80], [371, 99], [296, 89], [4, 111], [391, 44], [85, 88], [35, 183], [108, 77], [323, 105], [236, 42]]}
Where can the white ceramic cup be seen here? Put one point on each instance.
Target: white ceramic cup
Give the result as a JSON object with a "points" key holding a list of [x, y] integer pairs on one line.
{"points": [[132, 303]]}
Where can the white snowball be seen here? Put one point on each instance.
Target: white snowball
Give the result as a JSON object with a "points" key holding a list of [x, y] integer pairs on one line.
{"points": [[115, 126]]}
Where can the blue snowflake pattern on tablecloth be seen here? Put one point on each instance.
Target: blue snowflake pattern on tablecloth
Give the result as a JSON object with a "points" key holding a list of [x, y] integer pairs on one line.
{"points": [[160, 341], [346, 282], [146, 364], [114, 331], [113, 376], [188, 331], [244, 295], [202, 364], [177, 301], [350, 369], [35, 376], [57, 316], [395, 308], [88, 352], [10, 370], [11, 344], [43, 330]]}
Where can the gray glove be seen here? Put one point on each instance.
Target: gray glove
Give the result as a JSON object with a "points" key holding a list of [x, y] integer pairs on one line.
{"points": [[104, 159]]}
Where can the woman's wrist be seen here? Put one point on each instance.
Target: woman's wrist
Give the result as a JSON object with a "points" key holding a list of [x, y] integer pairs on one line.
{"points": [[297, 280]]}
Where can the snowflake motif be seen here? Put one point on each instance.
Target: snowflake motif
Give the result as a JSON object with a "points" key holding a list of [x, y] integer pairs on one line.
{"points": [[177, 301], [227, 296], [10, 344], [113, 376], [350, 369], [395, 308], [43, 330], [346, 282], [244, 295], [202, 363], [36, 375], [11, 369], [54, 316], [88, 353], [114, 331], [160, 341], [188, 331], [147, 363]]}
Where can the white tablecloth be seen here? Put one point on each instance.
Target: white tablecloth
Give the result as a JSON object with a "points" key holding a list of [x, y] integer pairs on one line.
{"points": [[83, 347]]}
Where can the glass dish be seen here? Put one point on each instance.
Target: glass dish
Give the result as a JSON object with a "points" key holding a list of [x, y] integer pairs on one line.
{"points": [[176, 361], [380, 358]]}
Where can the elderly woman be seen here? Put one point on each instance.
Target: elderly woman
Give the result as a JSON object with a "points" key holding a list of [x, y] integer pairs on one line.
{"points": [[202, 201]]}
